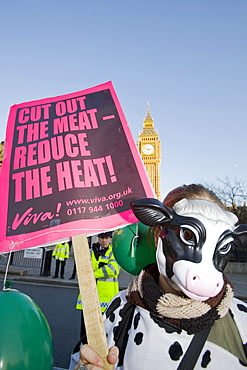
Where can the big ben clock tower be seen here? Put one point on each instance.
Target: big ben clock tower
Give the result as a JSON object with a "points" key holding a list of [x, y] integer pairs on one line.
{"points": [[150, 150]]}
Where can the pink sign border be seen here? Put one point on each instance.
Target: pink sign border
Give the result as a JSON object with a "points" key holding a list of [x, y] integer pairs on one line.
{"points": [[40, 237]]}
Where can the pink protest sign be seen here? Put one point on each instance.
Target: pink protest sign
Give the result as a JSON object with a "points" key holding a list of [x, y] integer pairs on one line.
{"points": [[71, 167]]}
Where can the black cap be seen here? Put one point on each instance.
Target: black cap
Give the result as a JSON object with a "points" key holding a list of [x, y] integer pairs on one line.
{"points": [[107, 234]]}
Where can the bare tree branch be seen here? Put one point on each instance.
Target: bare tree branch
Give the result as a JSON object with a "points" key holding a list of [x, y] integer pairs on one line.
{"points": [[233, 193]]}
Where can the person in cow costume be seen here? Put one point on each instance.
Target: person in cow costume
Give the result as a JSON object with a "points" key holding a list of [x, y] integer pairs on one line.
{"points": [[179, 313]]}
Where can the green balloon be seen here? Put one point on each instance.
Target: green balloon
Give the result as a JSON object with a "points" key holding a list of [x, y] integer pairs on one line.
{"points": [[133, 247], [25, 336]]}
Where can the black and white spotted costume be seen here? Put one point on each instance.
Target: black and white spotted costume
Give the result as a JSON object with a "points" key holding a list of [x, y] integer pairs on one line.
{"points": [[154, 330], [153, 341]]}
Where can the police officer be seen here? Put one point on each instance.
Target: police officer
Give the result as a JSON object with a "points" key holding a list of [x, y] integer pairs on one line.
{"points": [[60, 253], [106, 271]]}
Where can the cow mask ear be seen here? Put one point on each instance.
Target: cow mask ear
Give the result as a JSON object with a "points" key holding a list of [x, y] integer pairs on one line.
{"points": [[240, 238], [151, 212]]}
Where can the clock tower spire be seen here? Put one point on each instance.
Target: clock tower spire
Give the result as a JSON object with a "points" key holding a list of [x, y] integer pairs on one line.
{"points": [[150, 149]]}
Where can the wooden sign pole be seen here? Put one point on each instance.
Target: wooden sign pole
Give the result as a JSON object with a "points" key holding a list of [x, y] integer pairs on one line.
{"points": [[96, 336]]}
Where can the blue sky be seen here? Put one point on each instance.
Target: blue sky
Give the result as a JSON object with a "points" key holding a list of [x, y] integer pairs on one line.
{"points": [[187, 58]]}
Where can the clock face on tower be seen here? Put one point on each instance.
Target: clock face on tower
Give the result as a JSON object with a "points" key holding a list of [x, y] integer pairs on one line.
{"points": [[148, 149]]}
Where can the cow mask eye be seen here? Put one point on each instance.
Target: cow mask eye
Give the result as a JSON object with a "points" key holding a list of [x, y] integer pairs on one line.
{"points": [[224, 249], [189, 235], [224, 245]]}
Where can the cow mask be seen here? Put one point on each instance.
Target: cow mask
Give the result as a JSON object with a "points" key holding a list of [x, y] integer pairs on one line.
{"points": [[195, 243]]}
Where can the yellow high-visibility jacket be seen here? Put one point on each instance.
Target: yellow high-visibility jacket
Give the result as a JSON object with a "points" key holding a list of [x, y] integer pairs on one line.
{"points": [[61, 251], [106, 271]]}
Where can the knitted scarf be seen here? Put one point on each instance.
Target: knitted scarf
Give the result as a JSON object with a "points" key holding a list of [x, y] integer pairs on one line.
{"points": [[181, 311]]}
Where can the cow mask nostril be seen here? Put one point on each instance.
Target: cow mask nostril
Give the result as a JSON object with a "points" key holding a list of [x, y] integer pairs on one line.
{"points": [[194, 277]]}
